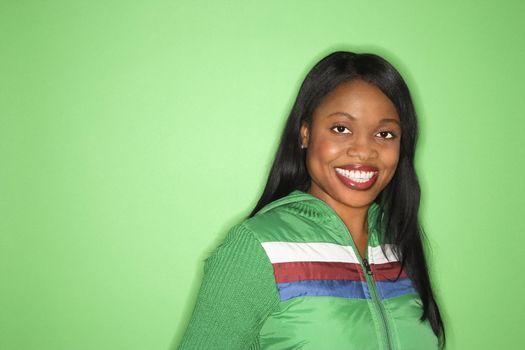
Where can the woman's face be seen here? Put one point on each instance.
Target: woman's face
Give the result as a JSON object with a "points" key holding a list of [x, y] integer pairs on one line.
{"points": [[352, 145]]}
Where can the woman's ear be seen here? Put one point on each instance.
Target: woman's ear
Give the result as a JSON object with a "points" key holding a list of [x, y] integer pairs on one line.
{"points": [[305, 134]]}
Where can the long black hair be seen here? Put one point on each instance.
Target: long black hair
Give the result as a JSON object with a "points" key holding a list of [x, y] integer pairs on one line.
{"points": [[399, 200]]}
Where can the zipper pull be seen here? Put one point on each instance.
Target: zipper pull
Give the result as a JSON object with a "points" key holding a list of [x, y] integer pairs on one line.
{"points": [[367, 267]]}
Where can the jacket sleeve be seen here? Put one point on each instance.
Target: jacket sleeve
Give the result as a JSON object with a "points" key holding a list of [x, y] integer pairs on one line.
{"points": [[237, 293]]}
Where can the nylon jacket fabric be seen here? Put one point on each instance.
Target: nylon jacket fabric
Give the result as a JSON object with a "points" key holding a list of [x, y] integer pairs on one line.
{"points": [[320, 293], [329, 300]]}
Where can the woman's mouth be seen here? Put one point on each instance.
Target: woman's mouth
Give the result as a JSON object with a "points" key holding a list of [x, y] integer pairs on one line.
{"points": [[357, 177]]}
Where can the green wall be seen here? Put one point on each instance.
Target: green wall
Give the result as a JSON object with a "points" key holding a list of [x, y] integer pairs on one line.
{"points": [[133, 134]]}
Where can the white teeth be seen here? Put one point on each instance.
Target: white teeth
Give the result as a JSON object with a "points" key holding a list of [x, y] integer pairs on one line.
{"points": [[355, 175]]}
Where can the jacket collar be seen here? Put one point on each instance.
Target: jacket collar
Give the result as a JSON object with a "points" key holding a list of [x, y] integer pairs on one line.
{"points": [[307, 205]]}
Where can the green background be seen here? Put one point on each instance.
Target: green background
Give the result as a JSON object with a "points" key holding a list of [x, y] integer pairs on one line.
{"points": [[134, 134]]}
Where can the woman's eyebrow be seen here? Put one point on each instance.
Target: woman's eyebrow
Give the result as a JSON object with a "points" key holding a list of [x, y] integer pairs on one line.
{"points": [[351, 117], [389, 120], [344, 114]]}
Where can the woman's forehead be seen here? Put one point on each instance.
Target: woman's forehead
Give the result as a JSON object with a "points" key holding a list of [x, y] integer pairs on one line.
{"points": [[354, 100]]}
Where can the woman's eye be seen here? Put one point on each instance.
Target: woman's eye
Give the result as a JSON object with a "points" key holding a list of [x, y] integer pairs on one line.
{"points": [[385, 135], [340, 129]]}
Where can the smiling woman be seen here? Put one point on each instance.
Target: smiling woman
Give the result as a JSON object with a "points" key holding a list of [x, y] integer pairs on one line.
{"points": [[332, 255]]}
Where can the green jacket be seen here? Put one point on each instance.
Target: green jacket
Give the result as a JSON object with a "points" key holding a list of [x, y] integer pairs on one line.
{"points": [[291, 278]]}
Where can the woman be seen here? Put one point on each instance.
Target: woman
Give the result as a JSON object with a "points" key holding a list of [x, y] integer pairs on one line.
{"points": [[332, 255]]}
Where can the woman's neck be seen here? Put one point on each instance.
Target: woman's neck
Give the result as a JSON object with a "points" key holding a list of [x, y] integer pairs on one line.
{"points": [[356, 220]]}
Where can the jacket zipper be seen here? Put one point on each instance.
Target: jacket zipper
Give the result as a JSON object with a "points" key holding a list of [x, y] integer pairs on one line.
{"points": [[372, 287], [377, 302], [369, 278]]}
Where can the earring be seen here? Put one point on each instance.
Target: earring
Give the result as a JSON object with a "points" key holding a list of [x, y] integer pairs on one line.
{"points": [[303, 146]]}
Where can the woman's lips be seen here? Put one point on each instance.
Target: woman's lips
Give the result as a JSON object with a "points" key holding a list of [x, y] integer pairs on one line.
{"points": [[358, 177]]}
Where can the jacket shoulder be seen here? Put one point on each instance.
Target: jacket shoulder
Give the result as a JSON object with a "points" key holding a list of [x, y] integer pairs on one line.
{"points": [[293, 218]]}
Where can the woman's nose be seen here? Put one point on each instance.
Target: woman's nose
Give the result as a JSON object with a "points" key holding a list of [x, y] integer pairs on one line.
{"points": [[362, 148]]}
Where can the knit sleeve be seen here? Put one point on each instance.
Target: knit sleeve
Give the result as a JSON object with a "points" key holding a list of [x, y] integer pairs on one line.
{"points": [[237, 293]]}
